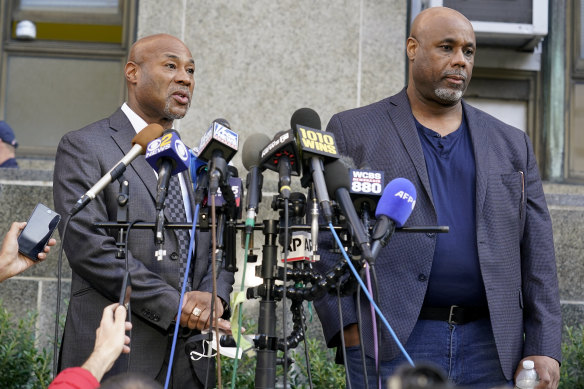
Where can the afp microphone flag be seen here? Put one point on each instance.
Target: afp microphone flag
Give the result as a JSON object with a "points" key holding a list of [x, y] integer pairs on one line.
{"points": [[397, 201]]}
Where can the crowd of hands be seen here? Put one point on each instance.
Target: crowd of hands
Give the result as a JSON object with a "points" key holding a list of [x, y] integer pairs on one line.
{"points": [[111, 339]]}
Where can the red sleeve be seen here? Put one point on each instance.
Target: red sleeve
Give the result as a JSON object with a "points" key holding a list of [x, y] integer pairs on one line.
{"points": [[74, 378]]}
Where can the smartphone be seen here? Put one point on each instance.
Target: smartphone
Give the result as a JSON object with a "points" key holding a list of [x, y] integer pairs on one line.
{"points": [[39, 229]]}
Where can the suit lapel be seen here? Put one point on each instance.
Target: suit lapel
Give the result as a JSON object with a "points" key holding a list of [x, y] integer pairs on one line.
{"points": [[479, 138], [123, 134], [400, 114]]}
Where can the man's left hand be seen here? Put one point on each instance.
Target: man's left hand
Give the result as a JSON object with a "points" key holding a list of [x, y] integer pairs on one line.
{"points": [[196, 312], [548, 370]]}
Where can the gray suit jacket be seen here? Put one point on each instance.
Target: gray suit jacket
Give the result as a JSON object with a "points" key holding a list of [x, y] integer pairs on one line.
{"points": [[83, 157], [514, 232]]}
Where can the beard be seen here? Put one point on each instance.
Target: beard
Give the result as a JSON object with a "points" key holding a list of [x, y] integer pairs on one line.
{"points": [[448, 96], [452, 94], [168, 111]]}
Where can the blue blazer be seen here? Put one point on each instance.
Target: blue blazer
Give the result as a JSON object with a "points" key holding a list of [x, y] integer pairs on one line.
{"points": [[514, 233]]}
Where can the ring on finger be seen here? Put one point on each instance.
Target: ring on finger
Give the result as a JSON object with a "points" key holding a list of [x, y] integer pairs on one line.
{"points": [[197, 311]]}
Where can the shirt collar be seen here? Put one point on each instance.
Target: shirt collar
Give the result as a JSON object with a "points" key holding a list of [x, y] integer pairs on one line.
{"points": [[137, 122]]}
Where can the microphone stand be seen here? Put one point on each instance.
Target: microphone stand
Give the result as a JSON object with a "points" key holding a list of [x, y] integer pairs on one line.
{"points": [[266, 341], [314, 285]]}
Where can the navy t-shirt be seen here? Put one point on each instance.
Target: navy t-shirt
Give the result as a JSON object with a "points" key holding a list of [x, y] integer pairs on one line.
{"points": [[455, 278]]}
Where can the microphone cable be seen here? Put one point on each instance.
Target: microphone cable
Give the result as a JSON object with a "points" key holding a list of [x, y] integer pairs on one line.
{"points": [[129, 310], [377, 322], [212, 317], [284, 326], [306, 355], [356, 274], [361, 344], [342, 335], [58, 311], [368, 271], [239, 308], [182, 294]]}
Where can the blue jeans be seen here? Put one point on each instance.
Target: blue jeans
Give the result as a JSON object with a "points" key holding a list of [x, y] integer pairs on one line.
{"points": [[466, 354]]}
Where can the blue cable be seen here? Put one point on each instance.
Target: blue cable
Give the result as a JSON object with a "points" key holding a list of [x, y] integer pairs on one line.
{"points": [[364, 288], [182, 294]]}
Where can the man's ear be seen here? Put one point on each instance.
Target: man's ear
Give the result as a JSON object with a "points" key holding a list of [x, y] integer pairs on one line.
{"points": [[131, 71], [411, 47]]}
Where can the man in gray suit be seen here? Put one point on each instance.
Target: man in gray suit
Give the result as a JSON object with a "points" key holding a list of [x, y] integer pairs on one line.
{"points": [[160, 80], [477, 300]]}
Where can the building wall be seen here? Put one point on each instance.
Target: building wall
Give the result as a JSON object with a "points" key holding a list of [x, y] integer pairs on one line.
{"points": [[257, 62]]}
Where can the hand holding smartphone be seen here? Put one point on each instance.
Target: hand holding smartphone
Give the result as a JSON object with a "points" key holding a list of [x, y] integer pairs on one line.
{"points": [[39, 229]]}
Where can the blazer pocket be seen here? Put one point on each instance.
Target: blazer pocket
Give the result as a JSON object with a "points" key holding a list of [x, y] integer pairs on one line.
{"points": [[514, 183], [83, 291]]}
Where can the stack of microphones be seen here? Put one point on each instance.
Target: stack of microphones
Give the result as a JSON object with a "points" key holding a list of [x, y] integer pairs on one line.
{"points": [[306, 151]]}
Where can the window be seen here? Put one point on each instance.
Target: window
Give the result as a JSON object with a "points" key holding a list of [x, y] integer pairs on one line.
{"points": [[66, 75]]}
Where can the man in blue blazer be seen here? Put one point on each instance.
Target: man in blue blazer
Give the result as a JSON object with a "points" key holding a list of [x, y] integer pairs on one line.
{"points": [[160, 81], [477, 300]]}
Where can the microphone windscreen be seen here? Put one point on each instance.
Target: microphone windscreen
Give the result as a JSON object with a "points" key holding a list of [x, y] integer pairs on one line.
{"points": [[223, 122], [147, 135], [253, 146], [397, 201], [305, 117], [336, 175]]}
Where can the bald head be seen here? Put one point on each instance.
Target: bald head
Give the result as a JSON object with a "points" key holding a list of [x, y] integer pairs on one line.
{"points": [[434, 18], [440, 49], [148, 46]]}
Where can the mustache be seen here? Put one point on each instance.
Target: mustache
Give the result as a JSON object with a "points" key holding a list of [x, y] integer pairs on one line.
{"points": [[185, 91], [459, 73]]}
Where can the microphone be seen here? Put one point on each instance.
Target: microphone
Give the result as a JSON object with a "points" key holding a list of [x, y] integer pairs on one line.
{"points": [[139, 143], [250, 156], [366, 188], [218, 146], [199, 177], [338, 182], [394, 208], [316, 146], [281, 155], [229, 194], [169, 156], [228, 198]]}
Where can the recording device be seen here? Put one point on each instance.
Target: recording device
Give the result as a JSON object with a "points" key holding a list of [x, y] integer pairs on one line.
{"points": [[168, 155], [139, 144], [366, 187], [250, 156], [126, 291], [422, 376], [200, 178], [40, 226], [393, 210], [218, 146], [281, 155], [338, 183], [234, 185], [316, 146]]}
